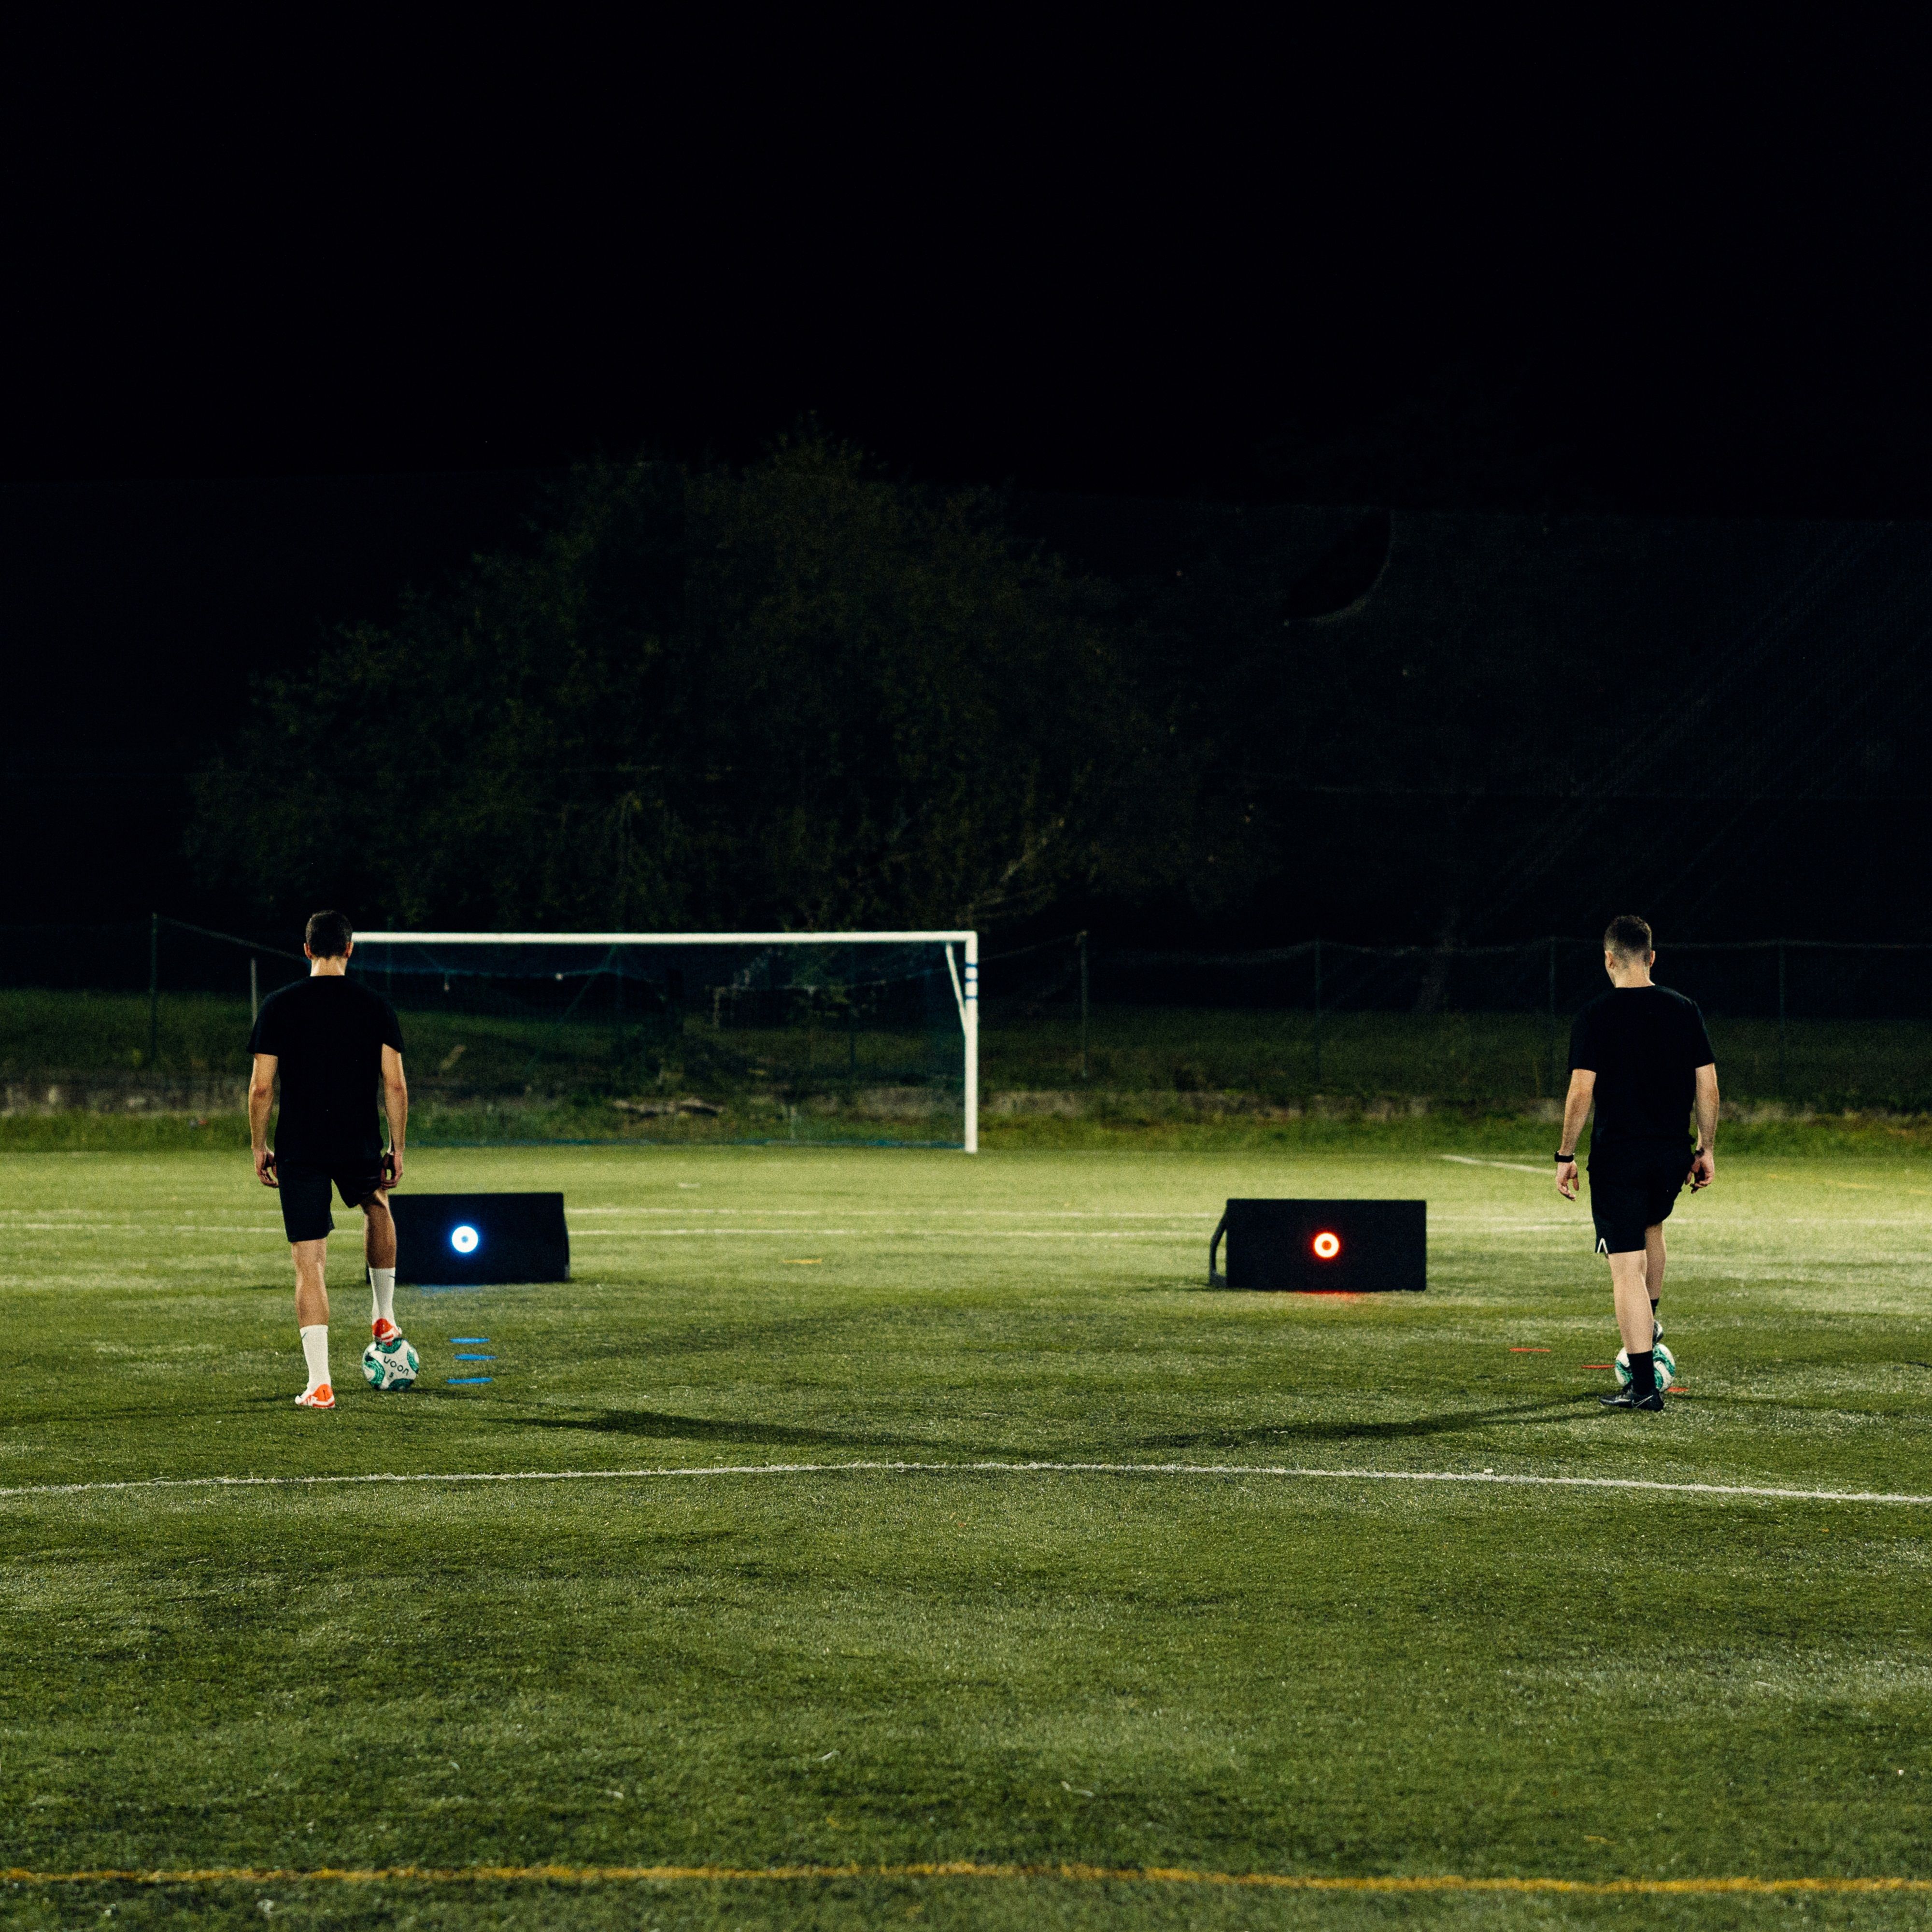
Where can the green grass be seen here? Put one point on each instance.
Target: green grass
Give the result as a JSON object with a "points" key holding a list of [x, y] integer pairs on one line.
{"points": [[1455, 1058], [1231, 1673], [1124, 1128], [1137, 1054]]}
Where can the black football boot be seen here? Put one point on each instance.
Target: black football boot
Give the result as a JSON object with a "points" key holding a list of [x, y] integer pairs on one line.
{"points": [[1628, 1398]]}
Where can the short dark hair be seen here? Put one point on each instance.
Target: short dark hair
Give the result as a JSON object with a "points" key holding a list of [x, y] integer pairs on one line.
{"points": [[1628, 936], [328, 935]]}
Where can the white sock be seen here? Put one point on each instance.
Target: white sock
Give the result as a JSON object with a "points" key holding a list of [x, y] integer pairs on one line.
{"points": [[315, 1352], [382, 1285]]}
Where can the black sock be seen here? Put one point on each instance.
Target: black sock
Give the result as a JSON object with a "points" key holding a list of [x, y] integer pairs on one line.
{"points": [[1643, 1372]]}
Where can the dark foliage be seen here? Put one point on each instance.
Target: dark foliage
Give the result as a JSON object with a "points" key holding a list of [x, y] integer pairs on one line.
{"points": [[792, 695], [797, 694]]}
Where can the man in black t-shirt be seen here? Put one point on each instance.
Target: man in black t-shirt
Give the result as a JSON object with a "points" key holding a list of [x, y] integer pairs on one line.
{"points": [[332, 1041], [1641, 1054]]}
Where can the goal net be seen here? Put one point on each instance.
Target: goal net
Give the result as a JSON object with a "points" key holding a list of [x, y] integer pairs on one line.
{"points": [[808, 1037]]}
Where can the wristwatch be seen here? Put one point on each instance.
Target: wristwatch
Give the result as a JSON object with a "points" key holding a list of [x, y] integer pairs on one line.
{"points": [[1566, 1157]]}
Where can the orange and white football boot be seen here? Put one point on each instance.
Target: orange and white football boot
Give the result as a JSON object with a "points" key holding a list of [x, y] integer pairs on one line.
{"points": [[321, 1396], [385, 1330]]}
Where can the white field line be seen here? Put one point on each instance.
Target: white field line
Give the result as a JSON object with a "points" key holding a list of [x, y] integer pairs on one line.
{"points": [[897, 1234], [1514, 1166], [688, 1211], [713, 1233], [150, 1227], [146, 1227], [789, 1231], [1748, 1491], [933, 1214]]}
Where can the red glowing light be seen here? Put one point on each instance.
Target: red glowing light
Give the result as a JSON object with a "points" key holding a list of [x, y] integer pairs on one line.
{"points": [[1326, 1245]]}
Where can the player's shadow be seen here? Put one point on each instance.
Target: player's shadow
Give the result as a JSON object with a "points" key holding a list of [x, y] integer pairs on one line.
{"points": [[1513, 1415], [650, 1425]]}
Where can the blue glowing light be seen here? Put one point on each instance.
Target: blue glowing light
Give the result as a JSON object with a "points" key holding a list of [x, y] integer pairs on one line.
{"points": [[465, 1239]]}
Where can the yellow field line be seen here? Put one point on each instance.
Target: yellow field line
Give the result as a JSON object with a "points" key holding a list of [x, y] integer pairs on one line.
{"points": [[1131, 1875]]}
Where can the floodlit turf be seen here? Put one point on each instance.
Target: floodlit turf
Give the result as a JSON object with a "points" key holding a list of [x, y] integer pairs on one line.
{"points": [[1312, 1676]]}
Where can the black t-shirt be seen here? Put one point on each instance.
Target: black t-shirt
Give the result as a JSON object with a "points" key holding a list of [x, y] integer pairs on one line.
{"points": [[329, 1034], [1645, 1044]]}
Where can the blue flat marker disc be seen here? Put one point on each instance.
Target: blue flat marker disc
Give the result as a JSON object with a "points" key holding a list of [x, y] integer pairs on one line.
{"points": [[453, 1379], [462, 1357], [459, 1339]]}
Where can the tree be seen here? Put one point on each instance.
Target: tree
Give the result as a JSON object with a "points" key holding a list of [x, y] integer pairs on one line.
{"points": [[794, 695]]}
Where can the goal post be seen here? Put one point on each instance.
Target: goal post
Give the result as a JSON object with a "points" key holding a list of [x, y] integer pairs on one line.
{"points": [[850, 1036]]}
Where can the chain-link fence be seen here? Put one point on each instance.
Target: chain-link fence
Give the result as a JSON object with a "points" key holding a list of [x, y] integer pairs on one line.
{"points": [[1809, 1022], [685, 1040], [156, 1016]]}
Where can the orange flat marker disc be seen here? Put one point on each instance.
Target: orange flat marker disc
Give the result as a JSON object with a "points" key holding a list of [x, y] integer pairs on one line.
{"points": [[1529, 1351]]}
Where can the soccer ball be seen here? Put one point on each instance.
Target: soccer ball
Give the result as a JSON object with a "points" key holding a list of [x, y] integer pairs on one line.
{"points": [[1665, 1362], [389, 1365]]}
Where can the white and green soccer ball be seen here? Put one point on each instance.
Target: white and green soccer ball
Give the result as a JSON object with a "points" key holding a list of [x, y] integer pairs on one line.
{"points": [[389, 1365], [1665, 1362]]}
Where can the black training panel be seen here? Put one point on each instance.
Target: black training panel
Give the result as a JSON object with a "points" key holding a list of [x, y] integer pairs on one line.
{"points": [[1378, 1246], [517, 1237]]}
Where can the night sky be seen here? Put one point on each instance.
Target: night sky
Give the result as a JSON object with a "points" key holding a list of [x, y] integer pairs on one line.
{"points": [[275, 360], [1645, 273]]}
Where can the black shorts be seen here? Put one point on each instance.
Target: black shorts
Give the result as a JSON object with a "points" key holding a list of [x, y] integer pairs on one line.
{"points": [[304, 1190], [1631, 1191]]}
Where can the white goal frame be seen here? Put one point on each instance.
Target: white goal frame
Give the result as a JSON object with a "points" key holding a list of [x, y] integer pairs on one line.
{"points": [[965, 970]]}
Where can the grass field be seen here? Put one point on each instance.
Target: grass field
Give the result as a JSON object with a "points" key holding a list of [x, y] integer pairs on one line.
{"points": [[1179, 1661], [456, 1061]]}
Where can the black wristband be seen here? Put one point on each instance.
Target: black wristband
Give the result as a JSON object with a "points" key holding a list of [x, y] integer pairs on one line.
{"points": [[1566, 1157]]}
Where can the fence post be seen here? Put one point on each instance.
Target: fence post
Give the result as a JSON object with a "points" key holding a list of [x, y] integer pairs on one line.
{"points": [[1780, 1019], [154, 990], [1318, 1015], [1553, 1076], [969, 1025], [1083, 1006]]}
